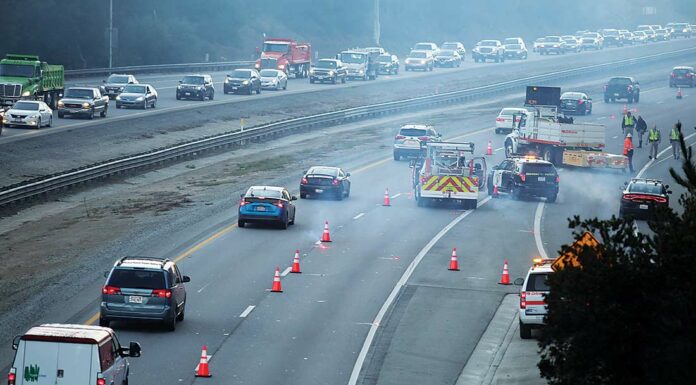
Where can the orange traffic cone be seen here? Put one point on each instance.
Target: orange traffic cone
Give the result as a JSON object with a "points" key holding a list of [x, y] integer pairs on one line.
{"points": [[326, 236], [505, 278], [296, 263], [276, 288], [454, 265], [202, 369], [489, 149], [387, 202], [625, 110], [679, 93]]}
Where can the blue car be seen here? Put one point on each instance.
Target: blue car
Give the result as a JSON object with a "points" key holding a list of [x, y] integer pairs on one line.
{"points": [[267, 204]]}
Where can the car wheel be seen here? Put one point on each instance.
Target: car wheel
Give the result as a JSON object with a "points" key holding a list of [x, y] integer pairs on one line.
{"points": [[50, 121], [60, 115], [202, 97], [258, 91], [514, 193], [178, 97], [104, 322], [397, 156], [303, 196], [339, 195], [284, 222], [343, 80], [91, 114], [241, 223], [181, 315], [636, 98], [38, 124], [212, 95], [552, 198], [103, 113], [170, 325], [508, 149], [348, 192], [489, 186], [311, 81], [144, 106], [606, 100], [525, 331]]}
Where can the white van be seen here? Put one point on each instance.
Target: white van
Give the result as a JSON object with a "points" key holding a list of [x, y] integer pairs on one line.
{"points": [[55, 354]]}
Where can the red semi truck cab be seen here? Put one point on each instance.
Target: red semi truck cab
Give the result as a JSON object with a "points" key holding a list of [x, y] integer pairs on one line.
{"points": [[286, 55]]}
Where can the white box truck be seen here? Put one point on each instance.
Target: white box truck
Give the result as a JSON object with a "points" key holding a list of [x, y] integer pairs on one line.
{"points": [[63, 354]]}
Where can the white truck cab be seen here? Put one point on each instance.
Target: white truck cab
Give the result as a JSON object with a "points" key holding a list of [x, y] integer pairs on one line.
{"points": [[64, 354]]}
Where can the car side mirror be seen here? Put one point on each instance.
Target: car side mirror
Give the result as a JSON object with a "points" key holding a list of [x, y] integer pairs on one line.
{"points": [[134, 349], [186, 278], [347, 174], [519, 282], [15, 342], [666, 187], [241, 196], [130, 82], [669, 191], [106, 274], [412, 164], [181, 82], [293, 198], [104, 81]]}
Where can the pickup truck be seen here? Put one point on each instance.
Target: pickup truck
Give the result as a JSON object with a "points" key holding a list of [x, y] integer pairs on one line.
{"points": [[26, 77], [622, 87], [84, 101]]}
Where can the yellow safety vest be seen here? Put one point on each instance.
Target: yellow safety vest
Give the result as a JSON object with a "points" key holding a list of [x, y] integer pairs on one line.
{"points": [[628, 120], [654, 135], [674, 135]]}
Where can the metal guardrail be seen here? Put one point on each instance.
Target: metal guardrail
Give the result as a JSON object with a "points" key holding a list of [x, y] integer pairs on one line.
{"points": [[33, 188], [215, 66]]}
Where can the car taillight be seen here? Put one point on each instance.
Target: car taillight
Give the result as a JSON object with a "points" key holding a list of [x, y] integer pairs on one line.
{"points": [[399, 137], [423, 138], [558, 179], [605, 87], [12, 376], [334, 182], [100, 379], [674, 75], [580, 101], [523, 177], [304, 181], [162, 293], [111, 290], [243, 202], [279, 204], [523, 300], [499, 119]]}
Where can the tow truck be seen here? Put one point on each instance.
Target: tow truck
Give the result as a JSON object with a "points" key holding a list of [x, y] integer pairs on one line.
{"points": [[558, 139], [446, 175]]}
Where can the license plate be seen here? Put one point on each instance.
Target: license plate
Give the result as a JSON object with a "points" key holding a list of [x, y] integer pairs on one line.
{"points": [[260, 208], [643, 207], [17, 120], [411, 142], [188, 94], [542, 179], [616, 94], [318, 190], [135, 299], [235, 88]]}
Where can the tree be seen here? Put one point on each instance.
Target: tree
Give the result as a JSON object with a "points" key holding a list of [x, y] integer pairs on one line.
{"points": [[628, 315]]}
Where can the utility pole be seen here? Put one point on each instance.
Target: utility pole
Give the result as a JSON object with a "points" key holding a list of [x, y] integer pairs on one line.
{"points": [[376, 25], [111, 33]]}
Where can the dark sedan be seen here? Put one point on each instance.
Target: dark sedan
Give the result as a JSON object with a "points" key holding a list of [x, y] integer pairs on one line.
{"points": [[388, 64], [640, 198], [243, 81], [321, 180], [682, 76], [576, 103]]}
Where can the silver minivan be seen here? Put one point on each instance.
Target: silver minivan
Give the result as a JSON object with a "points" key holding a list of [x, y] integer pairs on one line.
{"points": [[64, 354]]}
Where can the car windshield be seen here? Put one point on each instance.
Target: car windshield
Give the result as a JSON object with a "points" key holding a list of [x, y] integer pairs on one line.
{"points": [[572, 95], [512, 41], [353, 58], [588, 40], [611, 33], [17, 70], [276, 47], [132, 89], [78, 93], [680, 26], [661, 31], [137, 279], [446, 52], [192, 80], [681, 71], [26, 106], [488, 43], [241, 74], [543, 168], [322, 171], [326, 64], [620, 81], [118, 79], [646, 188], [413, 132], [418, 55], [553, 39], [513, 46], [511, 111], [269, 73], [264, 193], [384, 59], [449, 46], [424, 46], [639, 33], [538, 282]]}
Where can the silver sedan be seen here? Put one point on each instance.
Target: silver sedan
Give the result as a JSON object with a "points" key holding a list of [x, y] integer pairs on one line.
{"points": [[273, 80]]}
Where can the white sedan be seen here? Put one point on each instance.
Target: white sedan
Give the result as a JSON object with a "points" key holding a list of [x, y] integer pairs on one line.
{"points": [[503, 123], [273, 80], [29, 113]]}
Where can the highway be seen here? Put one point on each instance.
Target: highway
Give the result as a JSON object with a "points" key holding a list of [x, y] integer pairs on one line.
{"points": [[377, 305]]}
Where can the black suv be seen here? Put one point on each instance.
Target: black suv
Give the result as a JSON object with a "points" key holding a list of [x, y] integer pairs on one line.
{"points": [[195, 87], [144, 288], [524, 176], [640, 197], [328, 70], [243, 81], [622, 87]]}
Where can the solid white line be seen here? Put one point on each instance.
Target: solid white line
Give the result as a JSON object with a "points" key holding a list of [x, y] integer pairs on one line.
{"points": [[402, 281], [395, 196], [537, 230], [286, 271], [659, 154], [246, 311], [359, 216], [498, 149]]}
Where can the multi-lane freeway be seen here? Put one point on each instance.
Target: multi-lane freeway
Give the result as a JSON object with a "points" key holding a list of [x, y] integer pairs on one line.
{"points": [[377, 305]]}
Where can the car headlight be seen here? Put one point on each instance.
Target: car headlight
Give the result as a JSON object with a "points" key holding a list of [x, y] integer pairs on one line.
{"points": [[139, 99], [178, 87], [118, 97], [361, 71], [60, 103], [422, 61], [331, 73], [26, 93], [555, 46], [227, 80], [86, 105], [311, 71], [282, 66], [245, 82], [201, 88]]}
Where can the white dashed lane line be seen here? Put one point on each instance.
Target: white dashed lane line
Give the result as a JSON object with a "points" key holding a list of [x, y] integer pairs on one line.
{"points": [[359, 216], [246, 311]]}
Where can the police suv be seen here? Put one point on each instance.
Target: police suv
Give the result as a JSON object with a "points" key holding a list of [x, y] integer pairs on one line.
{"points": [[524, 176]]}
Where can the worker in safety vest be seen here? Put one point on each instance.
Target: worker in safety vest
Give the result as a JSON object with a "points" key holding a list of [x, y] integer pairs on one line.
{"points": [[628, 123], [628, 150], [654, 140], [674, 139]]}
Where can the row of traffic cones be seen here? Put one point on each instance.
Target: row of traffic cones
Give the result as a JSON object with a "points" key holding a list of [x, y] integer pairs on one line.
{"points": [[454, 266]]}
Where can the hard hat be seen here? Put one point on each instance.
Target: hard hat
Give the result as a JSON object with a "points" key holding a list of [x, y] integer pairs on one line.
{"points": [[629, 135]]}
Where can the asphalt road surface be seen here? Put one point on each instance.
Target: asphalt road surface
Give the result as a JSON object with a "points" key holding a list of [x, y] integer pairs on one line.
{"points": [[314, 331]]}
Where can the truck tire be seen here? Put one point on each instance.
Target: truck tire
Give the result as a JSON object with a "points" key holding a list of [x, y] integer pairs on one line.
{"points": [[103, 112], [343, 80], [91, 114], [508, 149], [525, 331], [637, 97], [548, 154]]}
